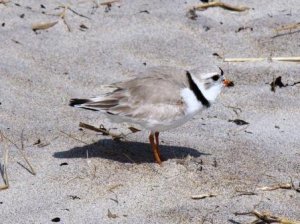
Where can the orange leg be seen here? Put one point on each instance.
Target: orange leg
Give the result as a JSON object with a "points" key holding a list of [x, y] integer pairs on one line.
{"points": [[154, 149], [157, 143]]}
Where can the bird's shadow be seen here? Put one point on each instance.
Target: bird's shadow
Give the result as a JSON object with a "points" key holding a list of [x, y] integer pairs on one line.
{"points": [[126, 152]]}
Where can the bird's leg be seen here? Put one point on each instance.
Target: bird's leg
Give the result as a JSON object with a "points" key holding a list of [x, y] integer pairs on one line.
{"points": [[157, 143], [154, 149]]}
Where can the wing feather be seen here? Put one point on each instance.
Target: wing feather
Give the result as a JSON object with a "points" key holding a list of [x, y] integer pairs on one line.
{"points": [[155, 96]]}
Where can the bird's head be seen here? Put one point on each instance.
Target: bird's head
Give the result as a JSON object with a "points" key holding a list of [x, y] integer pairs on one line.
{"points": [[211, 84]]}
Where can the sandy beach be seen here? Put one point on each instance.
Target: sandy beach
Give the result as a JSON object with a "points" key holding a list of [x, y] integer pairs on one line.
{"points": [[82, 176]]}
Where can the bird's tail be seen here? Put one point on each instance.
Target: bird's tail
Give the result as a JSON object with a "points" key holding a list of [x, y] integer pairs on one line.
{"points": [[103, 104], [78, 102], [82, 103]]}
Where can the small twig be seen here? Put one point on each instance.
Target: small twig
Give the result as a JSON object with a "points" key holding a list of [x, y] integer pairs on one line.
{"points": [[102, 130], [202, 196], [242, 213], [222, 5], [267, 217], [241, 193]]}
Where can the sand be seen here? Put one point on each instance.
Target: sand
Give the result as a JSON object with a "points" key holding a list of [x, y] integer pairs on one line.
{"points": [[84, 177]]}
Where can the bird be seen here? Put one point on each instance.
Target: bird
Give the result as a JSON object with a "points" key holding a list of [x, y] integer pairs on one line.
{"points": [[159, 99]]}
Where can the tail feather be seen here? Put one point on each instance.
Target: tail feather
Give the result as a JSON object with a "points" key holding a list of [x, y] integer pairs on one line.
{"points": [[77, 102], [95, 104]]}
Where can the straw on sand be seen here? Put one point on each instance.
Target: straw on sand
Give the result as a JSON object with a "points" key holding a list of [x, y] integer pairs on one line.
{"points": [[3, 169], [285, 59]]}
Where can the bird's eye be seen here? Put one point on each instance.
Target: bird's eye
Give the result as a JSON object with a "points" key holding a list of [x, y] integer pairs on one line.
{"points": [[215, 77]]}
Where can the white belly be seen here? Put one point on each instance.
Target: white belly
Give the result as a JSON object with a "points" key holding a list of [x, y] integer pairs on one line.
{"points": [[192, 107]]}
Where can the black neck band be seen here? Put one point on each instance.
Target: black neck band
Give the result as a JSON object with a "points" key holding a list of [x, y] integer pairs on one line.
{"points": [[196, 90]]}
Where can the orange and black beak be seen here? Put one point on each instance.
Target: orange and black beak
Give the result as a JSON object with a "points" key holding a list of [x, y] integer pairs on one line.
{"points": [[228, 83]]}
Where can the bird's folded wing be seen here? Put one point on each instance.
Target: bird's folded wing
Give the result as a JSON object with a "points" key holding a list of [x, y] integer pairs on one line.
{"points": [[154, 97]]}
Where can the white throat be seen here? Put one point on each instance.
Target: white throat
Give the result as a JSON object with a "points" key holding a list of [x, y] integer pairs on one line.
{"points": [[211, 93]]}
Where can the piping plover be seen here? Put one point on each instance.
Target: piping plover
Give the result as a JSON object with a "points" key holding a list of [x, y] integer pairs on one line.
{"points": [[161, 99]]}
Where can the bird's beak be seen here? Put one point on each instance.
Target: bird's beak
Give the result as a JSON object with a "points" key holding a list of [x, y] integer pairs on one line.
{"points": [[228, 83]]}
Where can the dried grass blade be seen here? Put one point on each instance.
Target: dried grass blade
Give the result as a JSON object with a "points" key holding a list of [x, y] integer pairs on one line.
{"points": [[287, 59], [243, 59], [269, 218], [109, 2], [103, 130], [32, 171], [93, 128], [288, 27], [202, 196], [287, 186], [222, 5], [4, 171], [22, 151], [43, 26]]}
